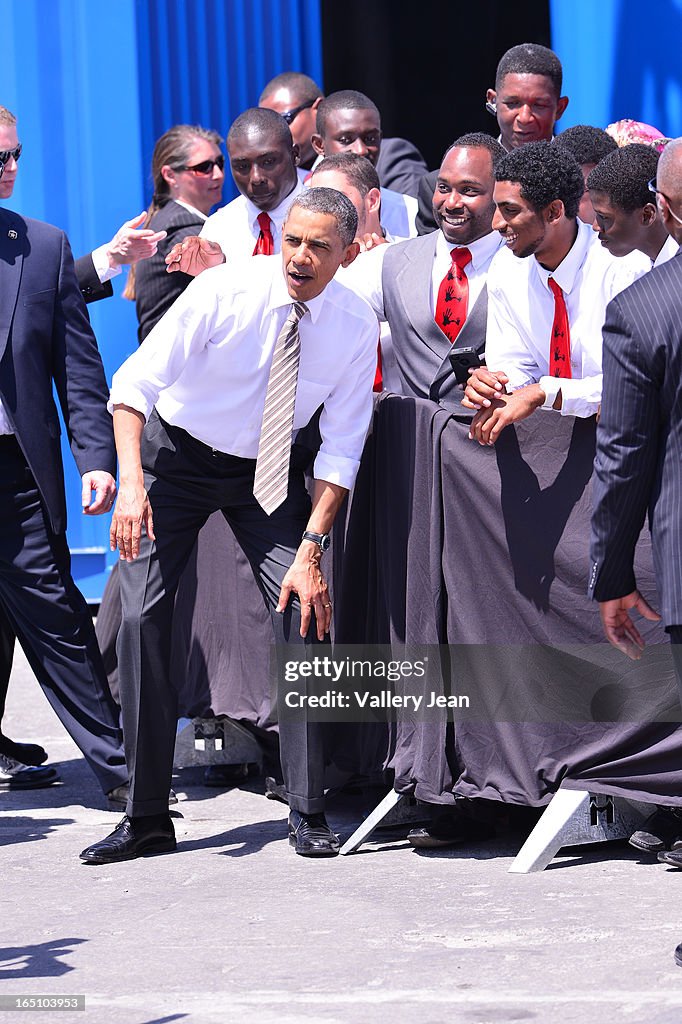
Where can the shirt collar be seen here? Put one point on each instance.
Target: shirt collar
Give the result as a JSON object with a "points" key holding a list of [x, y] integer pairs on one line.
{"points": [[191, 209], [279, 294], [277, 215], [482, 250], [566, 273]]}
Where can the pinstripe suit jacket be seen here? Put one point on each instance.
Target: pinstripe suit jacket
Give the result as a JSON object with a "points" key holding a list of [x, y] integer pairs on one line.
{"points": [[638, 464], [156, 290]]}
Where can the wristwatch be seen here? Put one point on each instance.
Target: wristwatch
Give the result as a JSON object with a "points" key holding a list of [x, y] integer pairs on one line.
{"points": [[322, 539]]}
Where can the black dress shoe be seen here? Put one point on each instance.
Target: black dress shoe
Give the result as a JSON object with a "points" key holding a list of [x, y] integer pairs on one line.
{"points": [[133, 837], [221, 776], [311, 836], [673, 858], [662, 830], [451, 828], [15, 775], [678, 955], [118, 798], [26, 753]]}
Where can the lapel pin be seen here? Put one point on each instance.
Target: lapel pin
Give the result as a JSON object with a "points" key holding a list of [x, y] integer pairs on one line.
{"points": [[12, 234]]}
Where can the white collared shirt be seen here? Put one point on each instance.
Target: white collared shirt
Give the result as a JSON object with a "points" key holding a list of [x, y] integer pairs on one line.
{"points": [[482, 252], [205, 365], [236, 229], [669, 249], [521, 315]]}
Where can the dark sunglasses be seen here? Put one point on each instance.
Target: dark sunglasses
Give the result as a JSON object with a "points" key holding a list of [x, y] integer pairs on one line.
{"points": [[7, 154], [205, 167], [289, 115]]}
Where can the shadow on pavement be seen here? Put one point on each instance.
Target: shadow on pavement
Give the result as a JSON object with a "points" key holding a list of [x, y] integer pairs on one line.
{"points": [[39, 961], [26, 830]]}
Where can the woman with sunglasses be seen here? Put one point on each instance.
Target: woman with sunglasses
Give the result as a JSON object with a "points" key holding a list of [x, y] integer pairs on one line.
{"points": [[188, 175]]}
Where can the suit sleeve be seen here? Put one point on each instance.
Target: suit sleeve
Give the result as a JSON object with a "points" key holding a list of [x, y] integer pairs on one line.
{"points": [[426, 222], [90, 285], [79, 375], [400, 166], [628, 438]]}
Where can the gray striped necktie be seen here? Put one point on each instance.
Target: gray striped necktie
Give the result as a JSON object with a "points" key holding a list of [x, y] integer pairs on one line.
{"points": [[271, 481]]}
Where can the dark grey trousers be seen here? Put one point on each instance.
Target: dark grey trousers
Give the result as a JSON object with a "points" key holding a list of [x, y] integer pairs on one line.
{"points": [[186, 482]]}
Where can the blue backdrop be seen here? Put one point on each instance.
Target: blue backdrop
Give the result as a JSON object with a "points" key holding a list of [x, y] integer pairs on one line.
{"points": [[93, 86]]}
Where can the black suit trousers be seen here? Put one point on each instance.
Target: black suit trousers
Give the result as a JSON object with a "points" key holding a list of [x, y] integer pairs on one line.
{"points": [[51, 619], [186, 482]]}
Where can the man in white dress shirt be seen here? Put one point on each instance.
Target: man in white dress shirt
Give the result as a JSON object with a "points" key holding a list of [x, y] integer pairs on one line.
{"points": [[349, 122], [263, 160], [547, 296], [625, 213], [202, 386]]}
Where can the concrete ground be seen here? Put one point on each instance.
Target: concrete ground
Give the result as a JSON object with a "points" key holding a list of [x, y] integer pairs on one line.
{"points": [[235, 928]]}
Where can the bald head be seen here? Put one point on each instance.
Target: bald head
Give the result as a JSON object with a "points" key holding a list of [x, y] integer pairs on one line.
{"points": [[669, 171], [669, 188]]}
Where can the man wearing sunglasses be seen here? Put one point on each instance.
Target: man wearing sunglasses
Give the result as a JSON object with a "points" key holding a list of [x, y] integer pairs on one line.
{"points": [[46, 341], [296, 98]]}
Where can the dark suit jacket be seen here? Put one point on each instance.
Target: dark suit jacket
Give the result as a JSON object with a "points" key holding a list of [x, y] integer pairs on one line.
{"points": [[426, 222], [156, 290], [46, 338], [400, 166], [421, 349], [639, 440], [90, 285]]}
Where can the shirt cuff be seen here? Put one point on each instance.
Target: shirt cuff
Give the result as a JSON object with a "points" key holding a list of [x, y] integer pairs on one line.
{"points": [[336, 469], [102, 268], [132, 397]]}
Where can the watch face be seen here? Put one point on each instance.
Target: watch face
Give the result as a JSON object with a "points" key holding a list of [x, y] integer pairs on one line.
{"points": [[324, 541]]}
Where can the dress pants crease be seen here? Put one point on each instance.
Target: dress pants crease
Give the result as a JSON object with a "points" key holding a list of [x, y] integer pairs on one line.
{"points": [[187, 482]]}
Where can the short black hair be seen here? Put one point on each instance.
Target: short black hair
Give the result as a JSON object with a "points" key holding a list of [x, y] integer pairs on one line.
{"points": [[530, 59], [588, 144], [328, 200], [545, 172], [624, 176], [263, 120], [359, 171], [344, 99], [299, 85], [478, 140]]}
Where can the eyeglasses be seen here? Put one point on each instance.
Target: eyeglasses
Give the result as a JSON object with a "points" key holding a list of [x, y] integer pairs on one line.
{"points": [[290, 115], [8, 154], [657, 192], [205, 167]]}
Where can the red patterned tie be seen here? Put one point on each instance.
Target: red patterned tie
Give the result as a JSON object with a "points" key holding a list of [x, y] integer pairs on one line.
{"points": [[560, 343], [265, 245], [453, 295]]}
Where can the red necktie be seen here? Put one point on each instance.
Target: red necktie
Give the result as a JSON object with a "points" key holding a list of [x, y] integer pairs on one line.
{"points": [[560, 342], [265, 245], [453, 296]]}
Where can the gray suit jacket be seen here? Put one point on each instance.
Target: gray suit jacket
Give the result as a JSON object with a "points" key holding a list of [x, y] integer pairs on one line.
{"points": [[639, 440], [421, 349]]}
